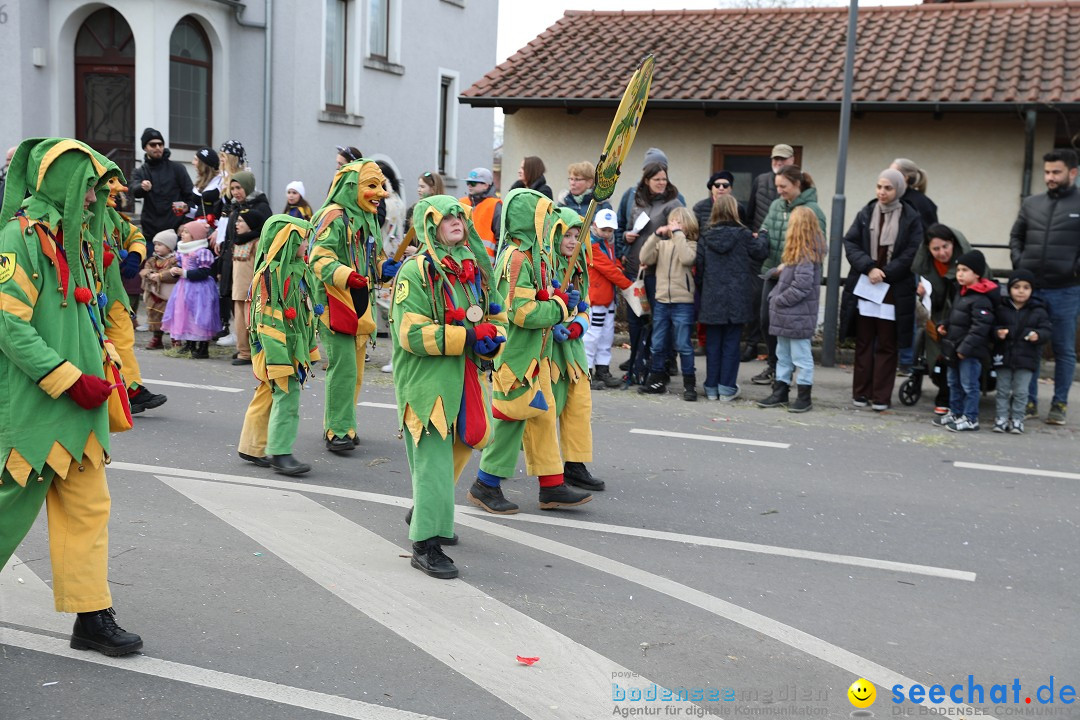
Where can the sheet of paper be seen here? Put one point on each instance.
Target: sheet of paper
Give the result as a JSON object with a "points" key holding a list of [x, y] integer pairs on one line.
{"points": [[877, 310], [640, 222], [928, 290], [872, 292]]}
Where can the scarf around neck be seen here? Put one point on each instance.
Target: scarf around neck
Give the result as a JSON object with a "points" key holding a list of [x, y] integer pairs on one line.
{"points": [[884, 227]]}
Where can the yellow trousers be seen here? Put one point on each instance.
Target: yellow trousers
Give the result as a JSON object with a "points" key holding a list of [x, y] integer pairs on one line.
{"points": [[575, 422], [241, 308], [122, 334]]}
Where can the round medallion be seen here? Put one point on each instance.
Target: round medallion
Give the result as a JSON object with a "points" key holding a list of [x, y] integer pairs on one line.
{"points": [[474, 314]]}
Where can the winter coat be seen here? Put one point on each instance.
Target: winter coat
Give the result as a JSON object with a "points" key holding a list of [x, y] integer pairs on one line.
{"points": [[943, 288], [703, 210], [762, 194], [233, 284], [897, 270], [169, 183], [725, 256], [1045, 238], [793, 303], [923, 205], [539, 185], [776, 222], [1014, 351], [658, 210], [626, 215], [604, 274], [567, 200], [971, 321], [674, 260]]}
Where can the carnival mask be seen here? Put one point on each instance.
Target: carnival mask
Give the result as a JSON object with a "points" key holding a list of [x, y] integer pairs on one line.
{"points": [[369, 187]]}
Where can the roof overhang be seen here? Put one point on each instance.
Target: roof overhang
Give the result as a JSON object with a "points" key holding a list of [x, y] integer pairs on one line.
{"points": [[516, 103]]}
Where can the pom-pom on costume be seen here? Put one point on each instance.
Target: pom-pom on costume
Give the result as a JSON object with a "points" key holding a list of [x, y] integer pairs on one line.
{"points": [[342, 259], [446, 322], [282, 334], [54, 416], [523, 403]]}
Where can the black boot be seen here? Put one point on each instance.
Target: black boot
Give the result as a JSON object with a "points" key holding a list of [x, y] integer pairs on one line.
{"points": [[779, 396], [562, 496], [337, 444], [143, 399], [442, 540], [803, 402], [201, 350], [98, 631], [490, 499], [428, 557], [689, 383], [254, 459], [288, 465], [609, 380], [578, 475], [656, 384]]}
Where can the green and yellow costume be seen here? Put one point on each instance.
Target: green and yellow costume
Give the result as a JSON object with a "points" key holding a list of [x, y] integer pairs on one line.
{"points": [[347, 237], [282, 335], [53, 450], [121, 239], [443, 407]]}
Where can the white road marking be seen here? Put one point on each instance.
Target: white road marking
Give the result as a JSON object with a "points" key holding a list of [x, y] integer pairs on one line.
{"points": [[384, 406], [872, 563], [27, 600], [457, 624], [213, 679], [194, 386], [1018, 470], [711, 438]]}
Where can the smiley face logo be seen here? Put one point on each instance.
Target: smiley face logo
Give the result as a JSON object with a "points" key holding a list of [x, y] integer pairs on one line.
{"points": [[861, 693]]}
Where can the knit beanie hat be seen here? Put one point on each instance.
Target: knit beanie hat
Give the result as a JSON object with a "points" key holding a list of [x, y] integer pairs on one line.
{"points": [[722, 175], [1024, 275], [168, 237], [246, 180], [151, 134], [198, 230], [973, 259], [207, 156], [296, 185], [896, 179], [654, 155]]}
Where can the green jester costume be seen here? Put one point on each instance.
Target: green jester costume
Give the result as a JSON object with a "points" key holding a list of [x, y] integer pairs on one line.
{"points": [[282, 334], [343, 261], [523, 403], [446, 322], [54, 420]]}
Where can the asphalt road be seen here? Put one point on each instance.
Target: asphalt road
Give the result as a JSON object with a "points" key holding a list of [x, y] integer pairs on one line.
{"points": [[769, 558]]}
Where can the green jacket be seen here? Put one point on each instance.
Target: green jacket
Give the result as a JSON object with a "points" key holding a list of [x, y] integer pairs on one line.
{"points": [[776, 222], [568, 352], [120, 235]]}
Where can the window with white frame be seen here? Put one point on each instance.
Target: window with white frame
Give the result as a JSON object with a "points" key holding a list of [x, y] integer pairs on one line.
{"points": [[335, 54], [379, 29], [447, 128]]}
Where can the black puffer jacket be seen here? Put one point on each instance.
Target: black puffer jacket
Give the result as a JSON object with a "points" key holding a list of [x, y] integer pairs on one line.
{"points": [[1014, 351], [1045, 238], [725, 254], [169, 183], [971, 321], [762, 194]]}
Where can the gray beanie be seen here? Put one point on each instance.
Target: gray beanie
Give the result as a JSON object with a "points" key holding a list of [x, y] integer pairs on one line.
{"points": [[654, 155]]}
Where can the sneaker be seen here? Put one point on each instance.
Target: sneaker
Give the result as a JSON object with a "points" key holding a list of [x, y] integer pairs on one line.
{"points": [[1056, 416], [142, 328], [765, 377], [861, 401], [1001, 425], [428, 557], [228, 340], [142, 399], [944, 420], [962, 424], [733, 396], [941, 410], [880, 407], [1016, 427], [387, 368], [1031, 410]]}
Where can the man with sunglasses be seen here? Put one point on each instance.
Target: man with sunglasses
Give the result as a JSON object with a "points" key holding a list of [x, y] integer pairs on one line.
{"points": [[163, 185], [487, 207], [719, 184]]}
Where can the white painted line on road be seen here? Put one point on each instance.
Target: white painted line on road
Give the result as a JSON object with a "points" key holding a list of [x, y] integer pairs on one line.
{"points": [[873, 563], [213, 679], [385, 406], [194, 386], [27, 600], [457, 624], [711, 438], [1018, 470]]}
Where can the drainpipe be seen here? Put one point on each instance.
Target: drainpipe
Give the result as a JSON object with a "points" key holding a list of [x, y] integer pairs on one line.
{"points": [[238, 8], [1029, 151]]}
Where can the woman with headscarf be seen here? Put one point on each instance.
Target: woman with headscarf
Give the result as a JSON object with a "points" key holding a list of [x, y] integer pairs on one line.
{"points": [[446, 322], [880, 247], [343, 259]]}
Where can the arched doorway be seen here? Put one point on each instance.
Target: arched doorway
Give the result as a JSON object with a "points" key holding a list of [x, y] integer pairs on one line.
{"points": [[105, 87]]}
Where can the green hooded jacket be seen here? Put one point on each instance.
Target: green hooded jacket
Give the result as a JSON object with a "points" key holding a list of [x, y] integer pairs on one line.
{"points": [[571, 352], [776, 222]]}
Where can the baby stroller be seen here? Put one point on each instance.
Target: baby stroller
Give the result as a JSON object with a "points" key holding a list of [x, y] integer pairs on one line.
{"points": [[911, 389]]}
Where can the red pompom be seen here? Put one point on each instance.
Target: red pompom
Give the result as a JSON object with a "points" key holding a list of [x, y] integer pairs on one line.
{"points": [[459, 314], [543, 294], [290, 313], [83, 295]]}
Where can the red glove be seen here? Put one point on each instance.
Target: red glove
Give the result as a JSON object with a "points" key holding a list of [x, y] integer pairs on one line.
{"points": [[575, 330], [107, 257], [485, 330], [89, 391], [356, 281]]}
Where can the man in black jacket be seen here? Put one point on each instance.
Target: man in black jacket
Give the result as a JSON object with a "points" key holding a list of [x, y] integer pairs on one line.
{"points": [[1045, 239], [162, 184]]}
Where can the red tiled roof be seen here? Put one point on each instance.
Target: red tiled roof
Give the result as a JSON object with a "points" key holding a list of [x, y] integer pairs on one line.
{"points": [[941, 55]]}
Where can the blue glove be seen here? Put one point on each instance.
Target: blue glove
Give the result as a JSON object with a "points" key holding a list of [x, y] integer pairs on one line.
{"points": [[390, 268], [561, 333], [488, 346], [574, 295], [129, 268]]}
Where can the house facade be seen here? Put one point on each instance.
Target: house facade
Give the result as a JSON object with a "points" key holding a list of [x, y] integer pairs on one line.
{"points": [[290, 80]]}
